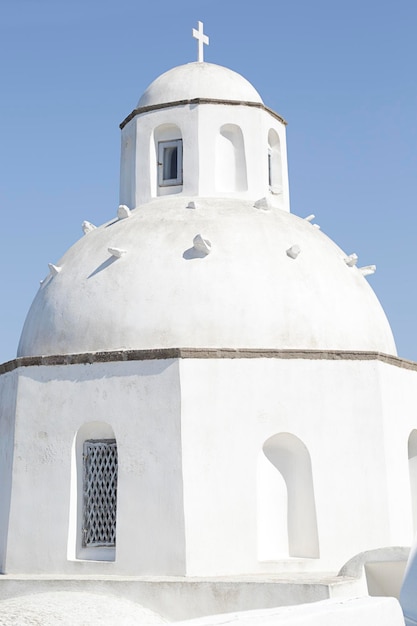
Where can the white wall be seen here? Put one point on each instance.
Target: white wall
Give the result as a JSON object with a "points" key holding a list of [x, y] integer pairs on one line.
{"points": [[200, 127], [231, 407], [190, 434], [8, 388], [398, 392], [140, 401]]}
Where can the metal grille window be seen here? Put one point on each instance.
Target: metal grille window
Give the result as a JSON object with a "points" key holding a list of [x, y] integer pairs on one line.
{"points": [[100, 492]]}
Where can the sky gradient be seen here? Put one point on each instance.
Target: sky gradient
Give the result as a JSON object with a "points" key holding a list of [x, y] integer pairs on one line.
{"points": [[342, 74]]}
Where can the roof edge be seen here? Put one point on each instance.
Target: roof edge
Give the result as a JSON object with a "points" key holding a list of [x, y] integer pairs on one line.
{"points": [[167, 105], [88, 358]]}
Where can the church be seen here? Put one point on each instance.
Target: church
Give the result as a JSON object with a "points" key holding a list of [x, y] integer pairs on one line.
{"points": [[207, 409]]}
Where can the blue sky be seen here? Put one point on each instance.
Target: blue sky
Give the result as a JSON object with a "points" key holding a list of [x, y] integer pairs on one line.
{"points": [[342, 74]]}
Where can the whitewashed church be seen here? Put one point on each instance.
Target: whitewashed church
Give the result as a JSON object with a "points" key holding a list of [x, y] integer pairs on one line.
{"points": [[207, 412]]}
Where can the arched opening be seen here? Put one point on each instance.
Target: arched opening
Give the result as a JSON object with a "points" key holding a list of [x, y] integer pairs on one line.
{"points": [[412, 466], [274, 162], [287, 522], [93, 500], [230, 162], [168, 162]]}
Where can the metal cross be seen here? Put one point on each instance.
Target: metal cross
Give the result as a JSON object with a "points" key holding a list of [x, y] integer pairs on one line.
{"points": [[201, 40]]}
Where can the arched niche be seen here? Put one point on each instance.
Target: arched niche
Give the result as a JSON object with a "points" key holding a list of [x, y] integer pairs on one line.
{"points": [[230, 160], [412, 466], [166, 160], [287, 522], [93, 470], [274, 162]]}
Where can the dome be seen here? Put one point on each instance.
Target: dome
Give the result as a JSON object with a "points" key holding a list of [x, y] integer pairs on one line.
{"points": [[164, 292], [199, 80]]}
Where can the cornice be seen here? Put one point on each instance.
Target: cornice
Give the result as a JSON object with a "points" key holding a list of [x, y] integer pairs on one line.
{"points": [[88, 358], [194, 101]]}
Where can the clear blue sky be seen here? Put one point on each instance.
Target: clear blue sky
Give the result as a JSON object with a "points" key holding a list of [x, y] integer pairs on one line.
{"points": [[342, 73]]}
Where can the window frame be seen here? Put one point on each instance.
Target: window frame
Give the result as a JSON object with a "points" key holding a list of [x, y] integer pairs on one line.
{"points": [[162, 146]]}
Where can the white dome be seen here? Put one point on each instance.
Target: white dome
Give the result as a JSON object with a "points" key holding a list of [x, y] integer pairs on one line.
{"points": [[199, 80], [246, 293]]}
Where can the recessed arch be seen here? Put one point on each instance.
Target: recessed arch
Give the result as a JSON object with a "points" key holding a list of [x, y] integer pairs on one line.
{"points": [[274, 162], [287, 521], [89, 435], [230, 160]]}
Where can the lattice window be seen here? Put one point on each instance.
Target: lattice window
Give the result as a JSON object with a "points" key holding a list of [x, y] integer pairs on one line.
{"points": [[100, 492]]}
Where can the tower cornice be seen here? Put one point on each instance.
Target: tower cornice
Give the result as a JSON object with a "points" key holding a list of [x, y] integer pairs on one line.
{"points": [[194, 101]]}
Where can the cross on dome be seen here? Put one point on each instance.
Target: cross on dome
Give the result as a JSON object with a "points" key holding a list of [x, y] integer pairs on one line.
{"points": [[201, 40]]}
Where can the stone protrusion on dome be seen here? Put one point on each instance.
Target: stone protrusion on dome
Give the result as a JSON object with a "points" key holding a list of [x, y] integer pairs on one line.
{"points": [[87, 227], [116, 252], [367, 270], [54, 269], [123, 212], [202, 130], [294, 251], [202, 245], [351, 259]]}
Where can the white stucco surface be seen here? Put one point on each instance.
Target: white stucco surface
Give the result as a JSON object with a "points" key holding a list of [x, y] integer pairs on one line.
{"points": [[86, 608], [8, 392], [225, 154], [74, 609], [355, 612], [199, 80], [198, 491], [337, 417], [44, 472], [247, 293]]}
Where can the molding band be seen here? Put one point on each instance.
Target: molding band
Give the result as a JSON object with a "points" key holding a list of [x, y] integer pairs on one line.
{"points": [[86, 358], [194, 101]]}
